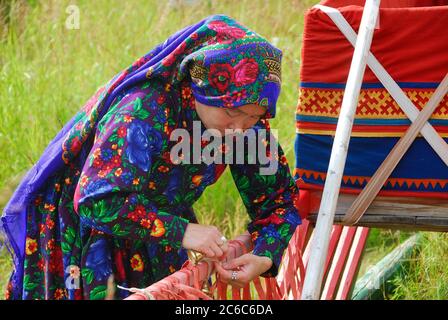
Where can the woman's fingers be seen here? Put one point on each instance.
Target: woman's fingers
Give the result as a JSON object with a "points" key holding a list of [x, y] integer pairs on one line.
{"points": [[207, 251], [222, 244], [240, 271], [226, 276], [206, 239], [216, 250], [237, 262], [212, 241], [225, 248]]}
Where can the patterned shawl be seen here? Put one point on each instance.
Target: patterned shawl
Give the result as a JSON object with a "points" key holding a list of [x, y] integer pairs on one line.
{"points": [[227, 64]]}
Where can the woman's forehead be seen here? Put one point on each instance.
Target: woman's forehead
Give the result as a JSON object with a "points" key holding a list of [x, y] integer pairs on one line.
{"points": [[252, 109]]}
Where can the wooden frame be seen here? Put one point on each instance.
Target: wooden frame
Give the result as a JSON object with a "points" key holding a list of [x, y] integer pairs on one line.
{"points": [[425, 214], [315, 273]]}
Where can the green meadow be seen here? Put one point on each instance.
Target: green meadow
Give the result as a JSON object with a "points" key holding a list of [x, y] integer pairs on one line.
{"points": [[48, 71]]}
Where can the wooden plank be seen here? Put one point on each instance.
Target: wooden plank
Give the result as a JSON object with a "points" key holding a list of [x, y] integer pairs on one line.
{"points": [[399, 206], [410, 223], [334, 243], [410, 213], [353, 263], [338, 263], [388, 205]]}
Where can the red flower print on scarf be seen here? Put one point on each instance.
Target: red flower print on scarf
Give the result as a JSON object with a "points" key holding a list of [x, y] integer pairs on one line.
{"points": [[227, 100], [246, 72], [78, 294], [238, 95], [76, 145], [172, 57], [49, 223], [115, 161], [272, 219], [137, 263], [59, 294], [97, 163], [161, 99], [169, 60], [41, 264], [180, 49], [140, 211], [218, 26], [229, 35], [220, 76], [152, 216], [121, 132], [31, 246], [145, 223], [55, 265], [118, 258], [225, 33]]}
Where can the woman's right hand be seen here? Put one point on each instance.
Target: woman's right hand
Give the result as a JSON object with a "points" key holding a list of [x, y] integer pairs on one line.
{"points": [[207, 240]]}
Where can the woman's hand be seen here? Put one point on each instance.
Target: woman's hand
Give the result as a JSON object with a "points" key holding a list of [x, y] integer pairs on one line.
{"points": [[247, 268], [208, 240]]}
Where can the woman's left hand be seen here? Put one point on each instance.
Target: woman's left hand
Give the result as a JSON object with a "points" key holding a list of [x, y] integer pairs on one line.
{"points": [[247, 267]]}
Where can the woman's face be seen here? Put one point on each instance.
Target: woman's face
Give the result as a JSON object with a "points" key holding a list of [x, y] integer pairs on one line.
{"points": [[238, 119]]}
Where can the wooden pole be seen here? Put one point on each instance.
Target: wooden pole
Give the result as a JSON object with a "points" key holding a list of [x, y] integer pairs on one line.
{"points": [[319, 245]]}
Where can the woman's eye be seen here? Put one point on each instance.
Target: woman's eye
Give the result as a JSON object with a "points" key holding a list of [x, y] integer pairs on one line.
{"points": [[233, 113]]}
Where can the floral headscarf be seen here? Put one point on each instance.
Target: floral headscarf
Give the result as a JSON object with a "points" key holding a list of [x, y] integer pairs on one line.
{"points": [[229, 65]]}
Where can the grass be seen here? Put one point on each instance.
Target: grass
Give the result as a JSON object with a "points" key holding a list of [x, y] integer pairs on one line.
{"points": [[427, 275], [47, 72], [379, 243]]}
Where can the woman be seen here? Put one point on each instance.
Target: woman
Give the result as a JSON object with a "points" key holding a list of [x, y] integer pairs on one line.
{"points": [[106, 197]]}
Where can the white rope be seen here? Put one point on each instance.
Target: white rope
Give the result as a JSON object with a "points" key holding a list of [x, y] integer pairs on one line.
{"points": [[143, 292]]}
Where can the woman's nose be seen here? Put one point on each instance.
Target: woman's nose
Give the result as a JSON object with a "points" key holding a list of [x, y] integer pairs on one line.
{"points": [[240, 126]]}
